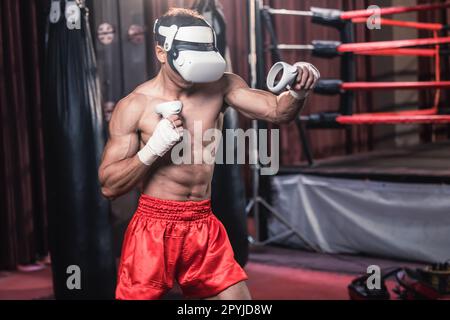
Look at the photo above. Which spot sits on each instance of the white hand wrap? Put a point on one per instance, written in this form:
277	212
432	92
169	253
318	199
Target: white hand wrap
299	95
163	139
303	94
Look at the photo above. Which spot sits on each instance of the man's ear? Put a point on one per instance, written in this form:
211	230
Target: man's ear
161	54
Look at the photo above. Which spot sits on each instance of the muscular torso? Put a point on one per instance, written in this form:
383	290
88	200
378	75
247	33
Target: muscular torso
134	121
183	182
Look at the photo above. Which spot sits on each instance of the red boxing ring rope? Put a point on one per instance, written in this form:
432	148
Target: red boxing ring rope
420	112
400	52
425	116
381	45
407	116
360	119
392	10
405	24
395	85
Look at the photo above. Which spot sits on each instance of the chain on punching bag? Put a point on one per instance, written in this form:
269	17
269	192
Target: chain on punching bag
228	191
79	231
212	12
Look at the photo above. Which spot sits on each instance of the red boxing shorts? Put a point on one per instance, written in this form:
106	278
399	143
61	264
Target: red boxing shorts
169	241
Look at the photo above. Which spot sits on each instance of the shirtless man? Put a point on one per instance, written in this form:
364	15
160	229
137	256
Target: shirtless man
173	235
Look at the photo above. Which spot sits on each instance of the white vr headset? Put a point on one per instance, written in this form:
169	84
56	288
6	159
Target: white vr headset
192	52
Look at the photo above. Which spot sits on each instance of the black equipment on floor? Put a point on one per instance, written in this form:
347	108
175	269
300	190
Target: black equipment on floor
429	283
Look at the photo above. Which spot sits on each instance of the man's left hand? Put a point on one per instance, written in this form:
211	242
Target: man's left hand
308	75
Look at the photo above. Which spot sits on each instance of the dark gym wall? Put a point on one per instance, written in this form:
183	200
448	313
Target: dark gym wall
120	44
23	221
120	31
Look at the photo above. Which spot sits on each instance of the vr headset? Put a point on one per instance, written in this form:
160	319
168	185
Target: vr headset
192	51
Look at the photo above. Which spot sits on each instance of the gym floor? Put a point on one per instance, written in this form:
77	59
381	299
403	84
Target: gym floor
290	275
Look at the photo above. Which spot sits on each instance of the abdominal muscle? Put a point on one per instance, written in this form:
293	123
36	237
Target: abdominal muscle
180	182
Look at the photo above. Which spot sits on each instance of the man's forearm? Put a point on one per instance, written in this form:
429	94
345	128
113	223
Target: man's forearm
288	107
120	177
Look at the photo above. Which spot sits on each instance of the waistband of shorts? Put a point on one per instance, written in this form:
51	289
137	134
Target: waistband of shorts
173	210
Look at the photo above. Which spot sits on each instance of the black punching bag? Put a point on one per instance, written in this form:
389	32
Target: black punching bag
79	230
228	196
228	191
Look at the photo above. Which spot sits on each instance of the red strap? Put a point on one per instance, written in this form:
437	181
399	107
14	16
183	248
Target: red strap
359	119
392	10
405	24
421	112
366	46
400	52
395	85
437	71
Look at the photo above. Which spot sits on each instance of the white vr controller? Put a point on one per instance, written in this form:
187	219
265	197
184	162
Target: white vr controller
165	135
168	109
277	82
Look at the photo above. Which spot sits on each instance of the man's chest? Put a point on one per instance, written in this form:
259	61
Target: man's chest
199	116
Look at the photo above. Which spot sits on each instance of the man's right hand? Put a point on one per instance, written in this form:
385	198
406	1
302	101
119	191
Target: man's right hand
167	133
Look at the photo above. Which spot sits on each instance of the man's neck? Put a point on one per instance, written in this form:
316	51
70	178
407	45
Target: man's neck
169	88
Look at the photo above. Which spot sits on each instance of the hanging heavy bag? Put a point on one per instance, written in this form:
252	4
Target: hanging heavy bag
79	231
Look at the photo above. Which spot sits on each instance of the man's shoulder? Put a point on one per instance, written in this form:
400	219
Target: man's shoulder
134	101
130	109
230	76
231	81
140	97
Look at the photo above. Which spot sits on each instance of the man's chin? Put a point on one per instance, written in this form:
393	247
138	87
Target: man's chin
181	83
186	84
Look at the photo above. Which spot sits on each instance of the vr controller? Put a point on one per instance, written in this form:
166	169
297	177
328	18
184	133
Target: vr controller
281	76
168	109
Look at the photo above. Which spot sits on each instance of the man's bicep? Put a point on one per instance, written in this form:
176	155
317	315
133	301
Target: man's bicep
253	103
123	139
120	148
